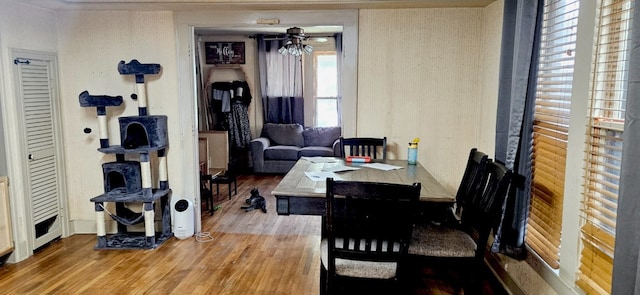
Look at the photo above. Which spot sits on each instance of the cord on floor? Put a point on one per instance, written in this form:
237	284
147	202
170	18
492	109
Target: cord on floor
204	237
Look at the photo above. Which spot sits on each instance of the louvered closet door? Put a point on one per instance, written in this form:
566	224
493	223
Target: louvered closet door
37	103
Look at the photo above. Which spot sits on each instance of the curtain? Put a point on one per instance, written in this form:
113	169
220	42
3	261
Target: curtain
281	83
626	273
516	94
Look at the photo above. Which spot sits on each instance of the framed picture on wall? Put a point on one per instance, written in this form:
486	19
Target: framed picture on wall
224	52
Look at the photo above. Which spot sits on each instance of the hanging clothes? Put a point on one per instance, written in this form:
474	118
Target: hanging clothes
239	128
230	100
222	92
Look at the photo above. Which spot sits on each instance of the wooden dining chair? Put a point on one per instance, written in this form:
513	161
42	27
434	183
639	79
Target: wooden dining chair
368	228
227	177
376	148
473	178
464	245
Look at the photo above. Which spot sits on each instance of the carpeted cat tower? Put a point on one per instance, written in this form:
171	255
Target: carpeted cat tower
128	182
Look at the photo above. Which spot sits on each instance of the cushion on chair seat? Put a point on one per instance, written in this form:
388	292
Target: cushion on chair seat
439	241
316	151
281	152
359	268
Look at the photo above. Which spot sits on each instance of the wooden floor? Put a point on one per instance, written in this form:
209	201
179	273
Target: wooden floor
250	253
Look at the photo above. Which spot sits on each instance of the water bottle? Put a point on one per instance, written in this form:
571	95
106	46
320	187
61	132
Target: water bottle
412	157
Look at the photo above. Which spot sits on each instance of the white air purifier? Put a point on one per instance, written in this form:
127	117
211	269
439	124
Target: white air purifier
184	221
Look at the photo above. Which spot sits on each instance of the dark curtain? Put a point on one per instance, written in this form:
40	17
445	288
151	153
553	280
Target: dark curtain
626	272
281	83
516	94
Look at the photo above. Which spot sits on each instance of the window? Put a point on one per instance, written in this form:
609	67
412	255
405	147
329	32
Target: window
604	145
326	89
550	128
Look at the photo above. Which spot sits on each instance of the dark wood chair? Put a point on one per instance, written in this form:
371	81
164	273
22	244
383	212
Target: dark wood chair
368	228
473	178
228	177
376	148
205	191
463	245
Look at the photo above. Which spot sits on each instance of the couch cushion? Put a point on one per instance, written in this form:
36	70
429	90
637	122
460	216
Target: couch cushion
316	151
321	136
284	134
281	152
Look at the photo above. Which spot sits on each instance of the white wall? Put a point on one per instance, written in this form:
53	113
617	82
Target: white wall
34	29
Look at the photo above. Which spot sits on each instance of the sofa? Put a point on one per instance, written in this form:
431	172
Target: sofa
281	145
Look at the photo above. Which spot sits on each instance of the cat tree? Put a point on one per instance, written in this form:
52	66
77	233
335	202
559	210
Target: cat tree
128	182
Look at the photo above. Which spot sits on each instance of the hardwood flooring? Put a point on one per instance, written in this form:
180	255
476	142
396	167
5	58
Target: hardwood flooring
250	253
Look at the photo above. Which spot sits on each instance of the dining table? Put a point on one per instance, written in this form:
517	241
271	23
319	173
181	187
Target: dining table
302	191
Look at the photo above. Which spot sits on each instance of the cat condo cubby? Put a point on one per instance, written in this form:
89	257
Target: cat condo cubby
128	183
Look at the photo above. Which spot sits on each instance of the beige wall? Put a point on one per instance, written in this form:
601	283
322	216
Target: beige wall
420	76
34	29
91	46
248	73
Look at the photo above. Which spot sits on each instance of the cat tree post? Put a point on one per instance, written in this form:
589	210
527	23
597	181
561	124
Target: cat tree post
100	102
139	70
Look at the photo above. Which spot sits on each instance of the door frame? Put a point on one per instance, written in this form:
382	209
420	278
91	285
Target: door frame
17	157
187	21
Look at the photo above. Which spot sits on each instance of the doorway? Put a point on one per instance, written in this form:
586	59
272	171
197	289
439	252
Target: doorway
188	21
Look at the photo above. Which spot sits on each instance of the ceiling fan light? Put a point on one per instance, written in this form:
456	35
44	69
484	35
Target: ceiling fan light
293	45
308	49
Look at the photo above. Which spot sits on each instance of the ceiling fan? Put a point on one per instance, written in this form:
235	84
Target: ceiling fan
293	44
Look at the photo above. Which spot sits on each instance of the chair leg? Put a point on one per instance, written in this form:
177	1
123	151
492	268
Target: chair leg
235	187
229	190
323	280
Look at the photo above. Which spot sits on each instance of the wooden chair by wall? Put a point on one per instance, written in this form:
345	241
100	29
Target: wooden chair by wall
464	245
376	148
473	178
368	229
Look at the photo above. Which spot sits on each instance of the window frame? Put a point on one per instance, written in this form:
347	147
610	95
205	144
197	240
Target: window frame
317	98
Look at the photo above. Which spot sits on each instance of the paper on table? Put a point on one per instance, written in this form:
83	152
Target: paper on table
320	159
340	168
322	176
381	166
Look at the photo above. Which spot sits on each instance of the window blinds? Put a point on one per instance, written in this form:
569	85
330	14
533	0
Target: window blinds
551	126
604	145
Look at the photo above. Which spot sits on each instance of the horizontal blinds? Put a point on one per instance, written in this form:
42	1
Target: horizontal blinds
550	128
604	146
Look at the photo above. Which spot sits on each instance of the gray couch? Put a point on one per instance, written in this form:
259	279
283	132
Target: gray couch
281	145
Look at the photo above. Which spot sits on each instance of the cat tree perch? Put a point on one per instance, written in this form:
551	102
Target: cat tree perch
130	181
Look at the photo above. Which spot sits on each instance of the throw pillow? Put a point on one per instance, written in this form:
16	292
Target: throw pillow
284	134
321	136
